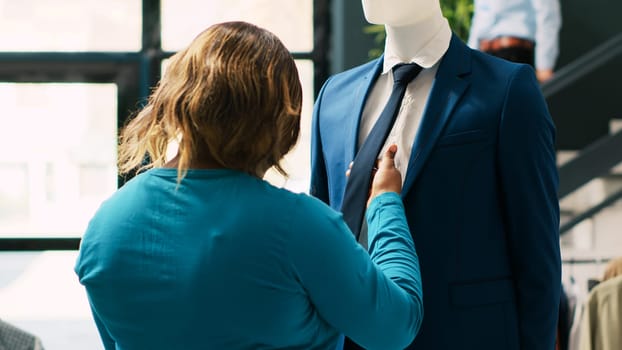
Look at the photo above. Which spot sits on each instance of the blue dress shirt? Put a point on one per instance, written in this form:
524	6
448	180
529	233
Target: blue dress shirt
537	20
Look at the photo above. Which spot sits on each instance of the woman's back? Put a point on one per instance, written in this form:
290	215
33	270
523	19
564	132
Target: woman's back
206	263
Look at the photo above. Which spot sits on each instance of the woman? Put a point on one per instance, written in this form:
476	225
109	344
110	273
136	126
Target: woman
199	252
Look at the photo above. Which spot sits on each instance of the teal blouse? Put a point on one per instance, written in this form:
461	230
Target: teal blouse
224	260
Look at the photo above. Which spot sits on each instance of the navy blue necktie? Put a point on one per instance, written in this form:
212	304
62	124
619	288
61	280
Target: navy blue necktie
359	181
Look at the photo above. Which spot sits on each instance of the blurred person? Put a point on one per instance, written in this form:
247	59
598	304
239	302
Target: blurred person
601	321
198	252
522	31
15	338
598	319
613	269
480	179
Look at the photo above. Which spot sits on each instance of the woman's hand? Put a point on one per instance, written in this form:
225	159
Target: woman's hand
386	178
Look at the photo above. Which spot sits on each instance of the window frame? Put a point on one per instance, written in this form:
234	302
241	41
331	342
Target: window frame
134	73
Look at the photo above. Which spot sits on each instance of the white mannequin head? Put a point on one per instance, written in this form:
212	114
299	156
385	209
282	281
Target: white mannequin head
399	13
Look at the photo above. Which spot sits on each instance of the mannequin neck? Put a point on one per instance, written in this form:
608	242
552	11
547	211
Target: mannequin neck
406	41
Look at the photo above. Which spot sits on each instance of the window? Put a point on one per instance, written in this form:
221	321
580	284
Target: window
70	25
71	72
58	163
290	20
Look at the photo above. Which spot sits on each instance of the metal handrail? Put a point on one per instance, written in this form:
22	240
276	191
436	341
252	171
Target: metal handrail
601	156
592	162
590	212
584	65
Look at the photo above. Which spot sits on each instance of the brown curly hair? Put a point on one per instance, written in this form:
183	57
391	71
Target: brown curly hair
233	98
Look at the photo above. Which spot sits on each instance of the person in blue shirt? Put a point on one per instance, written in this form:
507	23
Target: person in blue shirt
199	252
523	31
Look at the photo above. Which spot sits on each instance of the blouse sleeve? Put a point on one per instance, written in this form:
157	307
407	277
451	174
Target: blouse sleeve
376	301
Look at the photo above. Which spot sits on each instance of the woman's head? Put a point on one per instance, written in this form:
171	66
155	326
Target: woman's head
232	98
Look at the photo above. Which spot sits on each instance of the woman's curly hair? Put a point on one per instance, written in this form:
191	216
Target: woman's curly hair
232	97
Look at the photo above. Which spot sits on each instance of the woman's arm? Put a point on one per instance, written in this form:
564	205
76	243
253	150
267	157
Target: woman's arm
375	299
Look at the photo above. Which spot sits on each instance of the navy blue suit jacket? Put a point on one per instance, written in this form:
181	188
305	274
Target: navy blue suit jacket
480	196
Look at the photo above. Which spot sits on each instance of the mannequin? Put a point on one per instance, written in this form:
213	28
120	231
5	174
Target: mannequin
478	162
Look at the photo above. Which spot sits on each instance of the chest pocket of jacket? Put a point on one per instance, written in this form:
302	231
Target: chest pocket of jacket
462	138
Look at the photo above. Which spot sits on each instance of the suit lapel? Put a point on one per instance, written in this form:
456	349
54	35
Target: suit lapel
358	104
449	85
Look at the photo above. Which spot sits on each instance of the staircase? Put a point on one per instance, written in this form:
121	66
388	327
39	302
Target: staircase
585	100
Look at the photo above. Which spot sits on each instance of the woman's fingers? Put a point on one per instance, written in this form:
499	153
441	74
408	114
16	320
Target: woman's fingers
388	158
349	169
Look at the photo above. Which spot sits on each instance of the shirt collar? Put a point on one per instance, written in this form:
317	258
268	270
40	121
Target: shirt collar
430	53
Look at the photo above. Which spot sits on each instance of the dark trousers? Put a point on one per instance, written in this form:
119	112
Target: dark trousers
515	54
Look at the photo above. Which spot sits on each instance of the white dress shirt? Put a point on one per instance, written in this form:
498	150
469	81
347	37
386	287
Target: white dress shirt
413	105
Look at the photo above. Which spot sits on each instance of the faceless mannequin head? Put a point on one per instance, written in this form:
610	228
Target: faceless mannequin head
398	13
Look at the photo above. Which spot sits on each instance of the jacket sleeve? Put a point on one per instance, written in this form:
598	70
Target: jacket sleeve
319	176
529	182
376	301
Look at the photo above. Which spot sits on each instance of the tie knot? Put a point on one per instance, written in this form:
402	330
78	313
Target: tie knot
404	73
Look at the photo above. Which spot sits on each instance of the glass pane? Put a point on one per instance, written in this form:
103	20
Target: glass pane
40	294
70	25
58	162
291	20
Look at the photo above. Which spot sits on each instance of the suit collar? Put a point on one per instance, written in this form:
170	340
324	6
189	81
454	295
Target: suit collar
361	93
451	82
